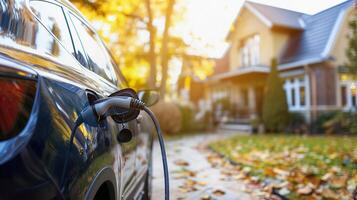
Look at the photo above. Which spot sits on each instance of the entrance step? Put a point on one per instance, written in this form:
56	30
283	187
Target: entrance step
244	128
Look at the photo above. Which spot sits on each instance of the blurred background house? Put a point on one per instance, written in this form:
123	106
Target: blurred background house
311	53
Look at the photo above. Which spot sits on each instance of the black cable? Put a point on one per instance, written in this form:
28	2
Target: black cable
163	152
78	122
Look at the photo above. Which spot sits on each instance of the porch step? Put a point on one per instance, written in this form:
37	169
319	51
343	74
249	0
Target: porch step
244	128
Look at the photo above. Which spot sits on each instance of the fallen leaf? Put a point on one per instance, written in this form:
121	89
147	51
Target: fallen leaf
284	191
306	190
327	176
339	181
329	194
201	183
218	192
206	197
181	163
280	172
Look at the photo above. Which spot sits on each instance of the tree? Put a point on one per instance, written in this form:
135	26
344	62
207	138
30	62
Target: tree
152	46
164	48
129	21
351	52
275	108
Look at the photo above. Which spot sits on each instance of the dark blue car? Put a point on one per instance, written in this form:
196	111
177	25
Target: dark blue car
52	65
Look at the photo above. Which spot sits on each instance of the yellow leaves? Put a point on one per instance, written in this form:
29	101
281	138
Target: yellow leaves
305	167
184	174
327	176
218	192
339	181
305	190
181	163
188	186
206	197
329	194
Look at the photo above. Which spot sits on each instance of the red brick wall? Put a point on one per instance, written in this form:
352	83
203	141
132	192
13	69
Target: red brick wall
323	85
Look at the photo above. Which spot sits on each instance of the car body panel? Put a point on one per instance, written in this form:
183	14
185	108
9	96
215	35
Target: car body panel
62	92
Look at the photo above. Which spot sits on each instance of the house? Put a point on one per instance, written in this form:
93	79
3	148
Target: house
310	50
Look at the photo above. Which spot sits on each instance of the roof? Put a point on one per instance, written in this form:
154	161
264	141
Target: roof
278	17
315	42
273	16
315	35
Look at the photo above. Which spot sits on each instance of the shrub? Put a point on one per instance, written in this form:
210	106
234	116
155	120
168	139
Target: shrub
341	123
223	103
188	117
169	116
319	125
297	123
189	122
275	108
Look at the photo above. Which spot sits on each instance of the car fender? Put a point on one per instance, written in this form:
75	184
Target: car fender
104	175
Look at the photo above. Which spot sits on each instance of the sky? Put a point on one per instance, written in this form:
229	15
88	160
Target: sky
206	22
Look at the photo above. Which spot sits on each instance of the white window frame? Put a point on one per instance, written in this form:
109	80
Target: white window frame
293	85
348	85
250	51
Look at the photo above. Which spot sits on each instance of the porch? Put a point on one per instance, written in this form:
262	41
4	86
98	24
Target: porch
238	100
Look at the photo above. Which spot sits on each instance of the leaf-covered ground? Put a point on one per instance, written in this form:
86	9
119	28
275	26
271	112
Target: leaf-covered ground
293	167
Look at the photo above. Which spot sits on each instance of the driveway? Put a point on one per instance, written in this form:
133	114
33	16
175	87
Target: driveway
191	174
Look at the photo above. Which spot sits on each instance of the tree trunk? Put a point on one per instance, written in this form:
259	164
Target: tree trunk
152	54
164	49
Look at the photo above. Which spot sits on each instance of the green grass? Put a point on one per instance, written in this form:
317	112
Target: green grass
318	154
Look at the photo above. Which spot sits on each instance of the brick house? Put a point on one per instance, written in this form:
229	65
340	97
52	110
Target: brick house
311	53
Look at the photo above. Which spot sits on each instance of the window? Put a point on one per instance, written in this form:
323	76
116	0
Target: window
293	98
250	51
302	95
53	19
97	56
348	94
79	52
22	31
353	94
344	95
295	91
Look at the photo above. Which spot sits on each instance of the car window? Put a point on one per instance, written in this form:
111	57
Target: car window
52	17
21	30
98	58
79	50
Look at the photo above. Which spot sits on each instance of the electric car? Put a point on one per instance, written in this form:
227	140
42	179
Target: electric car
52	65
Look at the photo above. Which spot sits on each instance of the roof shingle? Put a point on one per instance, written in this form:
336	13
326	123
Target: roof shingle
314	41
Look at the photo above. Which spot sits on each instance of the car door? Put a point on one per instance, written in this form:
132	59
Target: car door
96	58
68	88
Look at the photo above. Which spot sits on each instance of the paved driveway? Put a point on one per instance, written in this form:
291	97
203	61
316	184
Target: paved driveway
191	175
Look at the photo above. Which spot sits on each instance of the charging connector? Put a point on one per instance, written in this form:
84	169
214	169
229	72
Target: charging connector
91	115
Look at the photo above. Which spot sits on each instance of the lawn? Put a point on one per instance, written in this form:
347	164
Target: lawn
295	167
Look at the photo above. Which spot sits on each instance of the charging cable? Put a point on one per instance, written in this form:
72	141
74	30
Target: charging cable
92	114
163	151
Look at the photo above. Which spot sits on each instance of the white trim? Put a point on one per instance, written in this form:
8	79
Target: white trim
301	63
265	20
240	71
333	35
290	73
302	23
